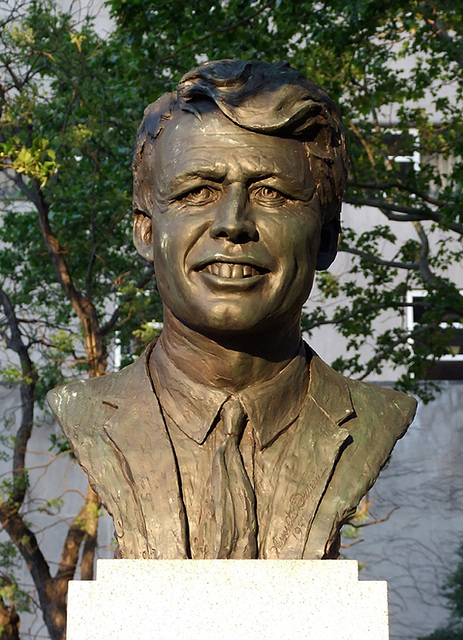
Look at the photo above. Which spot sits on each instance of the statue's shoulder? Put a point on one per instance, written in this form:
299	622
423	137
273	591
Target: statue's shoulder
382	409
384	412
373	418
84	404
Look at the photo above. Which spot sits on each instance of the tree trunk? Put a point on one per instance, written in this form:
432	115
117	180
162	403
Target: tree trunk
91	528
9	622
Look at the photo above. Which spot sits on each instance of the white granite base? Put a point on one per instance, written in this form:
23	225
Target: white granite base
227	599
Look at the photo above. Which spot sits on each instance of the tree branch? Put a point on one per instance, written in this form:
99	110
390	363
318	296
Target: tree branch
390	348
410	214
396	185
9	619
376	521
431	18
146	277
91	528
353	314
27	388
425	272
363	142
26	542
211	34
414	266
84	308
84	524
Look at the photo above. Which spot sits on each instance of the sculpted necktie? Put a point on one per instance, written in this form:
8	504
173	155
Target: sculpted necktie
234	499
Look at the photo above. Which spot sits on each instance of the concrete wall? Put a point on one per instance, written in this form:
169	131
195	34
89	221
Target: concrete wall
415	549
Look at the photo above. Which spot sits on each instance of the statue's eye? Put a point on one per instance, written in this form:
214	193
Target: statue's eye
269	195
200	195
268	192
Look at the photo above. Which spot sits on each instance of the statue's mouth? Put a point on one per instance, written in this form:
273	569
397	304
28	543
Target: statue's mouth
233	270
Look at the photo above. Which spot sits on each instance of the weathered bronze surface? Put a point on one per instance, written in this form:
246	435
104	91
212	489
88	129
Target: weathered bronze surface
230	437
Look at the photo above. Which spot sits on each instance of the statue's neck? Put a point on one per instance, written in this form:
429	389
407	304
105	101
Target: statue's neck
229	362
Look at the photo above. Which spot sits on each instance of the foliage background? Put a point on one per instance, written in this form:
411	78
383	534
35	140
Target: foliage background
70	282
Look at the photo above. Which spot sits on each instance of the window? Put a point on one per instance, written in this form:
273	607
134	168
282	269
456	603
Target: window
403	152
449	366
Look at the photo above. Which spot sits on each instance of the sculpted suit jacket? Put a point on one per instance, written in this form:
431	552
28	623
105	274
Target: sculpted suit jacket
324	462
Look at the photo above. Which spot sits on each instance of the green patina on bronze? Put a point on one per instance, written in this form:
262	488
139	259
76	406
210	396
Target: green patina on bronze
238	181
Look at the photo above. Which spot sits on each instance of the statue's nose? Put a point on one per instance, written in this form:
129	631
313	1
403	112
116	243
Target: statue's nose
234	219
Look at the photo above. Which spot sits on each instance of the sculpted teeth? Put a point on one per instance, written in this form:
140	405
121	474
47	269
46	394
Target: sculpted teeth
227	270
237	271
247	271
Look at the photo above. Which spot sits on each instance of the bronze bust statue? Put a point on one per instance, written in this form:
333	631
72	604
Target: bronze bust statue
229	437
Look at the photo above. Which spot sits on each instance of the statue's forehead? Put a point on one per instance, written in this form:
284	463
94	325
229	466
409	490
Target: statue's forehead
190	143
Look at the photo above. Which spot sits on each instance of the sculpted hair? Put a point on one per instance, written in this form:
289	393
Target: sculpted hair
273	99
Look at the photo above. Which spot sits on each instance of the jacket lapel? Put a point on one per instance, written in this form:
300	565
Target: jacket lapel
137	435
296	471
293	476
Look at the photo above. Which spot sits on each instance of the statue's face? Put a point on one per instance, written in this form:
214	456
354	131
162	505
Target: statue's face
235	226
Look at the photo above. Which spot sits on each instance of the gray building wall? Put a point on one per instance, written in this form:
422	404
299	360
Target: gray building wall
415	549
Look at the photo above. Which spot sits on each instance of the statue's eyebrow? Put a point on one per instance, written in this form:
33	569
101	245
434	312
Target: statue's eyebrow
213	173
219	172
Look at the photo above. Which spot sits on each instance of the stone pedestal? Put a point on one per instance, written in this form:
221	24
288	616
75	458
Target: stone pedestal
227	600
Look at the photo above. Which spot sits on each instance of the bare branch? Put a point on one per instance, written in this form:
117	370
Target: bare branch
376	521
362	310
351	544
410	214
425	272
18	180
410	266
363	142
27	388
16	82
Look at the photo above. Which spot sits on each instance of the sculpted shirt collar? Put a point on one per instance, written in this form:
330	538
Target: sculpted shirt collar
271	406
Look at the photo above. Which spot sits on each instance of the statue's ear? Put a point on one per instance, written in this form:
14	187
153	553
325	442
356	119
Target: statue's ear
329	239
143	235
